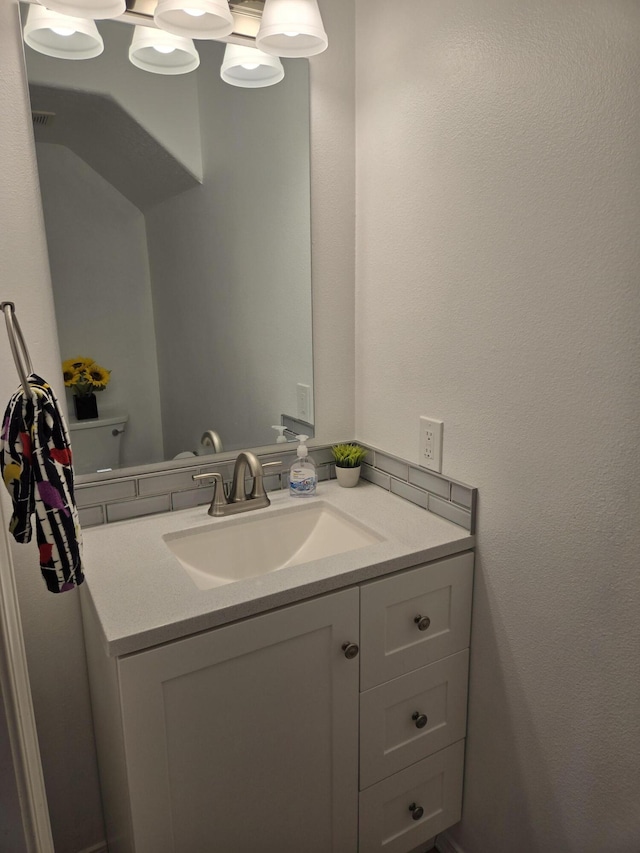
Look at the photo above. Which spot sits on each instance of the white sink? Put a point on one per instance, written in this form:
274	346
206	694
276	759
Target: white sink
247	547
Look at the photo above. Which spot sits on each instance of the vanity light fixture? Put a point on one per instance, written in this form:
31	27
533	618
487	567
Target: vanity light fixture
162	53
200	19
61	36
250	68
291	28
93	9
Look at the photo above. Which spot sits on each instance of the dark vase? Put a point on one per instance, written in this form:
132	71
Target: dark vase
86	407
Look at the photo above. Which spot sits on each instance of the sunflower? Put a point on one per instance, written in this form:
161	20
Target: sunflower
77	363
84	376
70	372
98	376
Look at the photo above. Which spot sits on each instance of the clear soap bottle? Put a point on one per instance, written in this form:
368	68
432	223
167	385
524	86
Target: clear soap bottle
302	474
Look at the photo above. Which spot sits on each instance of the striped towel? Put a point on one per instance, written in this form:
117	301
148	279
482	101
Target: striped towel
36	465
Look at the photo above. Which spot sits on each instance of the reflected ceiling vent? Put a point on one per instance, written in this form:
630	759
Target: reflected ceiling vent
41	118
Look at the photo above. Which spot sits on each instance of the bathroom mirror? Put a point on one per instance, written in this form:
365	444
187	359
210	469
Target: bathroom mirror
177	214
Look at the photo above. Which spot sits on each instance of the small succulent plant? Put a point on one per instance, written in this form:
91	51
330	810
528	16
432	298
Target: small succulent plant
348	455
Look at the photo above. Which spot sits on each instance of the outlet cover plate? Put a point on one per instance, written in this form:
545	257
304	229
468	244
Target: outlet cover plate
430	447
305	402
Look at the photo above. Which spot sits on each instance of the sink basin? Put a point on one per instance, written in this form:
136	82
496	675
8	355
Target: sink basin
246	547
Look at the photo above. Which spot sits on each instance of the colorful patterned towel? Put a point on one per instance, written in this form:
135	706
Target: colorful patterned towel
35	462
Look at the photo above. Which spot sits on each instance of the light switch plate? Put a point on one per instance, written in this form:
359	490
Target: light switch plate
430	447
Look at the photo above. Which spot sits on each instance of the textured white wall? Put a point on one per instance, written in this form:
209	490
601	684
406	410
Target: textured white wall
498	209
166	106
231	267
100	270
53	631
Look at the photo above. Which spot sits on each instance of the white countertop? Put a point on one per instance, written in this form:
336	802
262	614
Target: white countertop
143	597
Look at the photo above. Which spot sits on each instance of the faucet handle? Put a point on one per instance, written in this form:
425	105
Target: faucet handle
258	484
212	476
219	499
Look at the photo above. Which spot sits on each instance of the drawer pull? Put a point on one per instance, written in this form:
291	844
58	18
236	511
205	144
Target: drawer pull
416	811
422	622
420	720
350	650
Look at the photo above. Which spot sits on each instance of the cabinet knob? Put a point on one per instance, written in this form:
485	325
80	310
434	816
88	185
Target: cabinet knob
416	811
422	622
350	650
419	719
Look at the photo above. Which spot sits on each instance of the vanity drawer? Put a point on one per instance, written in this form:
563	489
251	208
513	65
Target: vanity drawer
411	717
414	618
388	810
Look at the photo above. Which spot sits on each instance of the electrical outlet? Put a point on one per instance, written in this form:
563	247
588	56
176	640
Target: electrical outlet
303	396
430	449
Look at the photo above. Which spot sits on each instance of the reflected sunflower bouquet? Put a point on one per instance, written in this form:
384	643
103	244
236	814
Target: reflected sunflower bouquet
84	376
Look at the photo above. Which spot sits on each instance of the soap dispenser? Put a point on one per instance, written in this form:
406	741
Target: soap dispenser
302	474
282	438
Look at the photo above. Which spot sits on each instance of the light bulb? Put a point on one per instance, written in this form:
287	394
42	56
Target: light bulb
290	28
161	53
250	68
203	19
61	36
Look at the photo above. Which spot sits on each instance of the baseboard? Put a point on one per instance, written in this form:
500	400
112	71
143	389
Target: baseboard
444	844
101	847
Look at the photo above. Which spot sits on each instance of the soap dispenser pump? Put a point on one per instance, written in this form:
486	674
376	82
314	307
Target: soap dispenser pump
302	474
282	438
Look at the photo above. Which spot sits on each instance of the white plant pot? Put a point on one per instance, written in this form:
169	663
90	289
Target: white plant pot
348	477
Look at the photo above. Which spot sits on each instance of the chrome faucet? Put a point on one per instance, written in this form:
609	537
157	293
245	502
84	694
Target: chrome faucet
237	500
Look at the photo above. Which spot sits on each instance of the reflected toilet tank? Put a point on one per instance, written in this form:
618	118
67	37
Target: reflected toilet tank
96	443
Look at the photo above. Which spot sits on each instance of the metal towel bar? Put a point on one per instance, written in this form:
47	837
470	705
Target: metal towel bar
18	346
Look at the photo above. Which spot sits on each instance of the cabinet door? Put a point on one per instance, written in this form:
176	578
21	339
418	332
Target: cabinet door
245	738
415	618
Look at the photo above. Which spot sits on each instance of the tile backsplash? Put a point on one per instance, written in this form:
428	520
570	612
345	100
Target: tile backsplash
147	494
441	495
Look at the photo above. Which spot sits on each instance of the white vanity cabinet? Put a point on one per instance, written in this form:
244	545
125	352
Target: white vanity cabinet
256	736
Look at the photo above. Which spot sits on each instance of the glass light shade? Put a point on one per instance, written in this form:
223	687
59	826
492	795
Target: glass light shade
162	53
92	9
291	28
198	19
250	68
84	42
